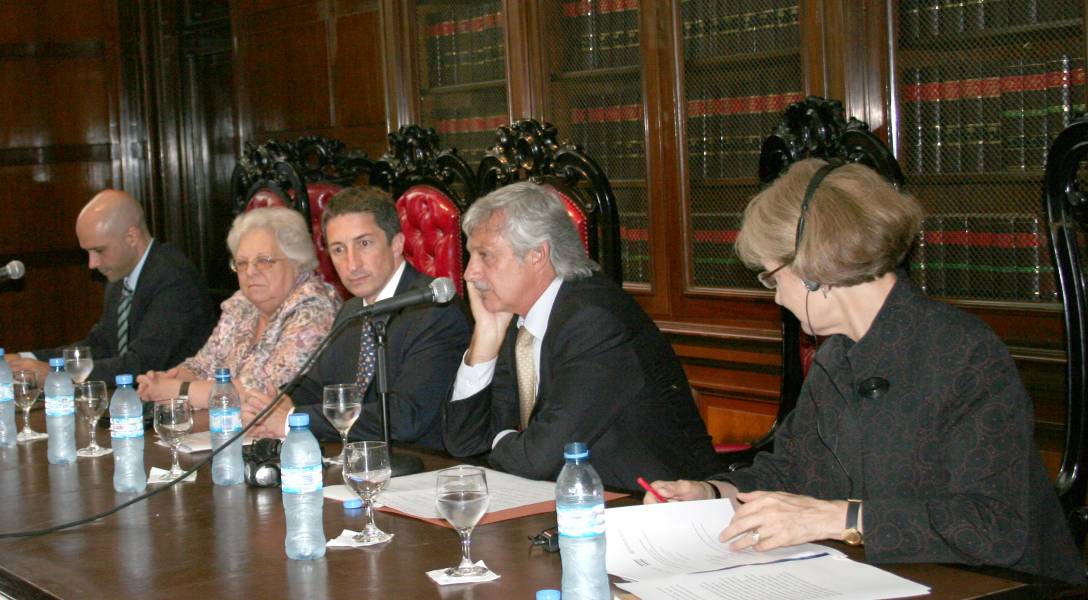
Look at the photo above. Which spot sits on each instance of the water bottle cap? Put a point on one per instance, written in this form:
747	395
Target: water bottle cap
351	503
547	595
1	351
222	373
298	420
125	379
56	362
575	450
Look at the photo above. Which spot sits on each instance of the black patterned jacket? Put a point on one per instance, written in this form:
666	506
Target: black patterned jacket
944	458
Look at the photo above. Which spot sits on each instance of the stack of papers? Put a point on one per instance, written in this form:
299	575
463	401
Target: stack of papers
671	551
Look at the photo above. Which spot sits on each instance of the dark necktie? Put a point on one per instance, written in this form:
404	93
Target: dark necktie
122	318
367	358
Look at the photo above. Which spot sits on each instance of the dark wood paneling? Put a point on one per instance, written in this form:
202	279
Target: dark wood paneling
53	101
358	85
53	21
57	302
41	204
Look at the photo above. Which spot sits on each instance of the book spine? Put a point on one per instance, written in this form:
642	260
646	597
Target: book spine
1012	117
952	119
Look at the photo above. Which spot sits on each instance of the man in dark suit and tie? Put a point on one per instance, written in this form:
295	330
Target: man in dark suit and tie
581	362
156	311
424	342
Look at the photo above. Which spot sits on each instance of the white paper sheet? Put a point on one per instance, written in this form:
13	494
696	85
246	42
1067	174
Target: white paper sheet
197	442
659	540
825	577
414	494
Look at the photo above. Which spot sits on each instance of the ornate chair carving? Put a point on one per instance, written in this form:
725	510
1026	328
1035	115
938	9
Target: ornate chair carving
529	149
313	168
433	189
1067	215
813	128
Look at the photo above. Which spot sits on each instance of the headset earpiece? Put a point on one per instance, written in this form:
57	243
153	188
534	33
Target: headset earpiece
811	286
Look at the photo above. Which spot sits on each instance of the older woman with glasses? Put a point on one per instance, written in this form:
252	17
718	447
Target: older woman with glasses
913	434
271	325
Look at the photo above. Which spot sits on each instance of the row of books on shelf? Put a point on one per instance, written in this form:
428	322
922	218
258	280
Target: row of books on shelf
609	127
464	43
599	33
725	133
470	127
929	19
970	118
717	27
634	233
979	256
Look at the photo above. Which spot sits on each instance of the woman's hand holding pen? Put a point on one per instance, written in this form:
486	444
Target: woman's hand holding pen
686	489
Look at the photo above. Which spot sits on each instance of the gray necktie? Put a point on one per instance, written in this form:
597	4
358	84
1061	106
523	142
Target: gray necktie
122	318
523	359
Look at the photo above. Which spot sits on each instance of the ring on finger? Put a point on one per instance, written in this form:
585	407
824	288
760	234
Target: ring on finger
755	537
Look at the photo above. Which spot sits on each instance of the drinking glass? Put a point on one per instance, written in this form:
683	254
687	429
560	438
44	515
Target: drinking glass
92	401
341	405
173	421
78	363
461	498
27	388
366	472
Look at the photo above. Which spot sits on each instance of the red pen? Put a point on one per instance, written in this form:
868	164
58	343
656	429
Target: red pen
646	486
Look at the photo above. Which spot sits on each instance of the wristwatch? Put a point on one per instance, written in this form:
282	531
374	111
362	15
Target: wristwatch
183	391
852	535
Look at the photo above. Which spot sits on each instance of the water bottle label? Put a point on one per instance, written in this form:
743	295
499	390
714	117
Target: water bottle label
60	406
300	480
580	521
7	393
126	427
225	420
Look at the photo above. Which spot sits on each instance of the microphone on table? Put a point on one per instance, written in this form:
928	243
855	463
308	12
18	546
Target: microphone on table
14	270
440	291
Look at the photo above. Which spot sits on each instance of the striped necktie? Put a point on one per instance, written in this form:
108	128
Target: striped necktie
122	318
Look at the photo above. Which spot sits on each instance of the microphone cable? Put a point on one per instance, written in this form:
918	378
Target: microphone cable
284	391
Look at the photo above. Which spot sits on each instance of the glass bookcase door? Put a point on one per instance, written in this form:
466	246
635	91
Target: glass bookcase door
742	67
594	96
463	73
982	88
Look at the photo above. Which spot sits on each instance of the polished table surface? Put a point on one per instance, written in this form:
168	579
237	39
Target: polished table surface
197	540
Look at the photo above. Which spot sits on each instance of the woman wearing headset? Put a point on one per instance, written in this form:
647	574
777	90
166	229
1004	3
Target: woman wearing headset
913	432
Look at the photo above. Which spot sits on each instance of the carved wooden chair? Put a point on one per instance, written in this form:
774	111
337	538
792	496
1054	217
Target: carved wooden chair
303	175
433	188
813	128
529	149
1067	215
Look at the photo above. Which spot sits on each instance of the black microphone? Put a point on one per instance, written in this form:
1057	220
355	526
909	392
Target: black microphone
13	270
440	291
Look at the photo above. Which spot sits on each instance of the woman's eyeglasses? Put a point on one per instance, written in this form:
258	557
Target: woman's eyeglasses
767	277
261	263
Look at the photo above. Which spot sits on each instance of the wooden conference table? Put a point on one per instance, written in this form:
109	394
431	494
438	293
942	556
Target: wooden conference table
197	540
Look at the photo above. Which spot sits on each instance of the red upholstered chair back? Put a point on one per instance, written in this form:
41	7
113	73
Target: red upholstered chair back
431	224
529	150
433	188
279	173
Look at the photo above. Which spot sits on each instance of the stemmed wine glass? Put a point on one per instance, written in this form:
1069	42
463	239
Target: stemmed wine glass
27	389
173	421
366	472
78	363
91	400
341	405
461	498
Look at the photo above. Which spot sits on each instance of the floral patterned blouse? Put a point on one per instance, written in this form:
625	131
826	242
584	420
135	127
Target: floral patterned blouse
289	337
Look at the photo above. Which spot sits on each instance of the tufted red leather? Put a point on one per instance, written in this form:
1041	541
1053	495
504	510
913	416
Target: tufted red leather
431	224
320	193
579	218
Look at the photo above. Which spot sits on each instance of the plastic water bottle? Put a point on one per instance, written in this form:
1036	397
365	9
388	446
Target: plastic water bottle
303	498
579	506
127	436
8	430
225	419
60	414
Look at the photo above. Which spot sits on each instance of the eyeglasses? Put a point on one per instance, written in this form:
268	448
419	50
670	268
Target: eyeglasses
767	277
262	263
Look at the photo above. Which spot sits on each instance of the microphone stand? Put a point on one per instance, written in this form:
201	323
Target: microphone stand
401	464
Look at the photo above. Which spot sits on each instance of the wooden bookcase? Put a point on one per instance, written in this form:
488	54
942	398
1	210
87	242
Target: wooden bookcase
673	98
